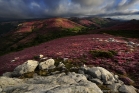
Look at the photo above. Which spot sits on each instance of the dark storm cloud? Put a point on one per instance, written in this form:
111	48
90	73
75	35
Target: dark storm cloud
53	8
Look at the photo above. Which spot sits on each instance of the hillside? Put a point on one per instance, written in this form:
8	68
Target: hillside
128	29
123	60
34	32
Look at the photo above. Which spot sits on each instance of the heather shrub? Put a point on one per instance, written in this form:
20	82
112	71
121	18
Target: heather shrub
113	52
126	80
101	54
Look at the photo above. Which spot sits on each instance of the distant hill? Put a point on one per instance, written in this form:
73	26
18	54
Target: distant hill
34	32
126	29
95	22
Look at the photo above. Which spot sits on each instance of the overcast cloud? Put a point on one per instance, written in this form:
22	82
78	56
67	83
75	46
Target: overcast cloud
67	8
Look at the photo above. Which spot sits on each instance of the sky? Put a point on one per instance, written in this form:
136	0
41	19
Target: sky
21	9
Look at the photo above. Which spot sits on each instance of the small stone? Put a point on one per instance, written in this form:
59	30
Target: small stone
81	72
94	72
97	81
0	89
7	74
114	87
127	89
65	59
46	64
41	56
56	72
61	65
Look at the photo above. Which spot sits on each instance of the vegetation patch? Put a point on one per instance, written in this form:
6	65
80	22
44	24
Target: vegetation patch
102	54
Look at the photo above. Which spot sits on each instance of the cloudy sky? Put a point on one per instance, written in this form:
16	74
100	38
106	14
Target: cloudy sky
126	9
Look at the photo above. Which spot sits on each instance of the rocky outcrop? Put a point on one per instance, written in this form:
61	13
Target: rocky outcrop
103	77
59	83
127	89
60	79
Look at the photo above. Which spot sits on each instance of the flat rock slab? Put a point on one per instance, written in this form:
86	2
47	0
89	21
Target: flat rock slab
59	83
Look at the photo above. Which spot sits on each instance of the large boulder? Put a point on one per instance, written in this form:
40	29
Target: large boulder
28	66
94	72
127	89
106	75
102	74
46	64
59	83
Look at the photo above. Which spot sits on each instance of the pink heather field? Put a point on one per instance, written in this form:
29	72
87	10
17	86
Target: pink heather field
77	48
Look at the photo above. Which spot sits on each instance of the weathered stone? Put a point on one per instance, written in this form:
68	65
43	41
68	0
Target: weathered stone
56	72
41	56
46	64
65	59
101	73
0	89
94	72
28	66
81	72
59	83
127	89
61	65
97	81
114	87
6	81
7	74
106	75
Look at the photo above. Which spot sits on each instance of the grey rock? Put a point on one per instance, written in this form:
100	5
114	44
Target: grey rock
121	82
7	74
59	83
65	59
61	65
46	64
97	81
81	72
52	67
28	66
56	72
6	81
108	82
101	73
0	89
114	87
94	72
106	75
116	78
127	89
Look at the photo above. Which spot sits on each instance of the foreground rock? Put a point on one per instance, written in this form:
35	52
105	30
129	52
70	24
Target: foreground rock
55	80
127	89
46	64
103	77
26	67
59	83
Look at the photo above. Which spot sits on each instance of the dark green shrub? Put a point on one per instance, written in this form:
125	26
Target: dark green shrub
113	52
101	54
